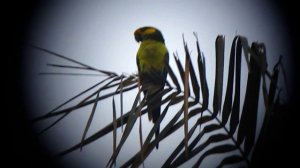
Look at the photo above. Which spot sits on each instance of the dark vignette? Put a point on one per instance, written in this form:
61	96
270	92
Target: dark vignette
21	146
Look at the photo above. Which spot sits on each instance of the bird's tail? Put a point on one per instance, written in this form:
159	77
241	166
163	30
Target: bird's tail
154	111
156	114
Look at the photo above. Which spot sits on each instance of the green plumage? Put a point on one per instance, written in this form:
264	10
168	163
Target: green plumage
152	60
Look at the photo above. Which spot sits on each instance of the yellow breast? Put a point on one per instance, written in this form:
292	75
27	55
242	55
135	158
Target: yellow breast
152	55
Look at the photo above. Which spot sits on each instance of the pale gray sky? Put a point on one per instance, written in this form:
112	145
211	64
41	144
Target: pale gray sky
100	34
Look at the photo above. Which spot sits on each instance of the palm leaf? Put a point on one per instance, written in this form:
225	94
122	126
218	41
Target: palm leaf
234	119
228	96
115	127
248	119
230	160
121	99
174	78
179	66
242	122
69	74
191	71
109	73
186	96
91	117
220	43
202	74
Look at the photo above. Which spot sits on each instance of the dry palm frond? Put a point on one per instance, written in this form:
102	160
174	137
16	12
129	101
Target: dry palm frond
234	124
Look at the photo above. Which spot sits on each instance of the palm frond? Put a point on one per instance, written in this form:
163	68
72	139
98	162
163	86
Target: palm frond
239	126
109	73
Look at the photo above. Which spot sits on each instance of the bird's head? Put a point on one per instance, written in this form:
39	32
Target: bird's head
148	33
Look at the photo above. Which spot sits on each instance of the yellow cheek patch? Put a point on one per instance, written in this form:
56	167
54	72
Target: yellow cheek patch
149	31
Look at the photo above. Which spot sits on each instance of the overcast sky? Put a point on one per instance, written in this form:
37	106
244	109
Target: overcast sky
100	34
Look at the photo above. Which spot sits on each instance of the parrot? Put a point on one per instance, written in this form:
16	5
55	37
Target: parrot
152	60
